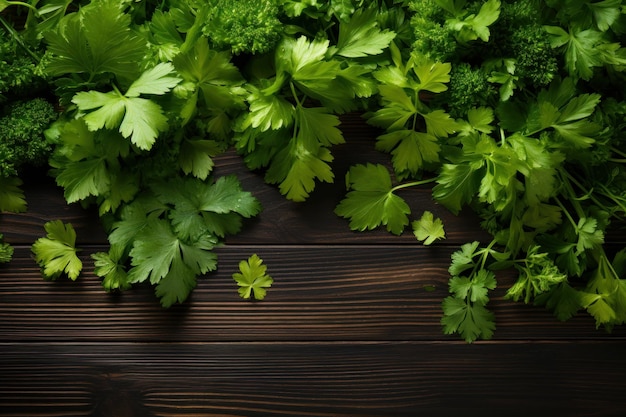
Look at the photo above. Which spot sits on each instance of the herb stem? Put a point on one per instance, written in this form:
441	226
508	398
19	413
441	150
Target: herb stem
412	184
295	94
19	40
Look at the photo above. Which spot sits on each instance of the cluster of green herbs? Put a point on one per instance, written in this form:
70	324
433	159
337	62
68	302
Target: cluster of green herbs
511	108
517	107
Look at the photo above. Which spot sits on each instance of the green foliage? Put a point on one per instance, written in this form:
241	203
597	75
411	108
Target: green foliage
469	88
137	118
95	41
56	253
371	201
428	229
244	26
22	142
292	121
19	71
252	278
6	251
511	107
12	197
413	130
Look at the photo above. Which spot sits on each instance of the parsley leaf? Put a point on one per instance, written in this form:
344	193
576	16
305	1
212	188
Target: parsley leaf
428	229
372	201
253	278
471	321
139	119
56	253
361	36
95	40
110	266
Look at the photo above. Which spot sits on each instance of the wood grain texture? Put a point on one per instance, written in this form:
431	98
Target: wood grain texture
313	379
350	327
368	293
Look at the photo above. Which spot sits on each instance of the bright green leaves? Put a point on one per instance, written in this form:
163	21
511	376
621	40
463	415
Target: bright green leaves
410	149
412	130
361	37
196	156
471	280
86	164
56	253
485	170
139	119
298	166
95	40
464	311
557	109
537	275
371	201
428	229
585	49
292	121
252	278
605	294
169	234
214	209
111	268
475	26
212	85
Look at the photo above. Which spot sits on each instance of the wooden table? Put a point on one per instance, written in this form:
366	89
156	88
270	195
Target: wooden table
349	328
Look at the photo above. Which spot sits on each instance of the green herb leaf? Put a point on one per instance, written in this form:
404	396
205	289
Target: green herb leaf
56	253
371	202
253	278
428	229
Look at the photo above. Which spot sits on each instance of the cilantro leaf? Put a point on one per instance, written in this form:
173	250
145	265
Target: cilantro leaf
463	258
476	26
213	83
196	156
56	253
471	321
176	285
465	311
139	119
410	149
253	278
156	249
562	299
428	229
110	266
201	207
372	201
433	76
457	184
589	235
268	112
361	36
95	40
296	167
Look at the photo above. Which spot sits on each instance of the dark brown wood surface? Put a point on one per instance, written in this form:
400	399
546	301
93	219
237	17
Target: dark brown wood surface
349	328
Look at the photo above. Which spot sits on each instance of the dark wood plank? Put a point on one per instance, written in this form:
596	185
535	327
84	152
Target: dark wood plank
368	293
340	379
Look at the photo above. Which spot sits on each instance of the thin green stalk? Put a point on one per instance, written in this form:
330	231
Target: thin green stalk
18	38
413	184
